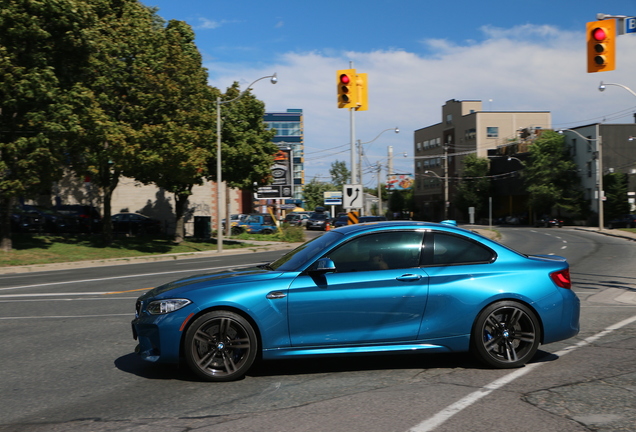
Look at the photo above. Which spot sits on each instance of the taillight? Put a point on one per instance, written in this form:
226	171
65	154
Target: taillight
562	278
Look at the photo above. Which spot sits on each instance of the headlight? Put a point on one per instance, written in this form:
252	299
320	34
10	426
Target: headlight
159	307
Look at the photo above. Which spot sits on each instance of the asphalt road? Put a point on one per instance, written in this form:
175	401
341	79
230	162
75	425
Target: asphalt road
68	362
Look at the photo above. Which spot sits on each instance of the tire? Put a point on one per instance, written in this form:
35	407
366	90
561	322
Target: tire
506	335
220	346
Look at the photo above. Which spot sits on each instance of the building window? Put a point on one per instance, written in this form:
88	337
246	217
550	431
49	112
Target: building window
492	132
449	118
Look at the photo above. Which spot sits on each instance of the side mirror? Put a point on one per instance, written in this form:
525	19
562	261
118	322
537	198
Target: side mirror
324	265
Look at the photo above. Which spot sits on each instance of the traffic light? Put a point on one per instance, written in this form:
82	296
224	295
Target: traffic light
361	87
347	92
601	46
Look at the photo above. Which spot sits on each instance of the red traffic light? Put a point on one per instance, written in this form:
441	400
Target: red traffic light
344	79
599	34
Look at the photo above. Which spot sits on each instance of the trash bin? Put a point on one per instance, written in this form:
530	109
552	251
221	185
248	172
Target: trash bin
202	226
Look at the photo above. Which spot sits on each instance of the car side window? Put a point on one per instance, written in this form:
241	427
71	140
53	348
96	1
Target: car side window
379	251
450	249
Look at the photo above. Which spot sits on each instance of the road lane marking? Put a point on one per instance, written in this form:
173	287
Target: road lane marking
123	277
442	416
65	316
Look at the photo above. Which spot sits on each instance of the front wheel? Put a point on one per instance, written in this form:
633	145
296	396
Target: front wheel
506	335
220	346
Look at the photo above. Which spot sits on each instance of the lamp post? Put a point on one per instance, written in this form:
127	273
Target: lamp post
599	169
601	87
361	151
219	180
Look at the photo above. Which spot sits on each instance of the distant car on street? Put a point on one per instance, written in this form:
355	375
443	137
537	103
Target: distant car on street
318	221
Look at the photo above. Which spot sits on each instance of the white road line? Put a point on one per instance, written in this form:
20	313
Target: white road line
66	316
122	277
438	419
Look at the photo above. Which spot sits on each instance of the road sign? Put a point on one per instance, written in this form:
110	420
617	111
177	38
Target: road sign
352	196
630	25
332	198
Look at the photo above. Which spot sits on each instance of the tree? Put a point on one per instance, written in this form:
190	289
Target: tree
551	176
121	99
314	193
179	134
339	173
38	93
473	190
616	186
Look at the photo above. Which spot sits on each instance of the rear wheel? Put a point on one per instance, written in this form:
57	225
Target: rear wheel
506	335
220	346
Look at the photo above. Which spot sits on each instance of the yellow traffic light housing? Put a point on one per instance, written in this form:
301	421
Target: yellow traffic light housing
347	92
361	88
601	46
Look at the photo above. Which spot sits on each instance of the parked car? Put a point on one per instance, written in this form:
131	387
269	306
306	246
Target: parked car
235	219
625	221
260	223
26	220
344	293
52	222
318	221
296	219
135	224
341	221
87	218
363	219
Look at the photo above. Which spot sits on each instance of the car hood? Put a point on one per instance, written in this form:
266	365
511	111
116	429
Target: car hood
218	279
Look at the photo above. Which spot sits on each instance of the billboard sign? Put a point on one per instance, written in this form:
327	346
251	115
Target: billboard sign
281	172
399	182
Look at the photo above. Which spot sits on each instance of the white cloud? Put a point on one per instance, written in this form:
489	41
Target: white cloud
524	68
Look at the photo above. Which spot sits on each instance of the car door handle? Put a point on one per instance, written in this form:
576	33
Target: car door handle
409	277
276	295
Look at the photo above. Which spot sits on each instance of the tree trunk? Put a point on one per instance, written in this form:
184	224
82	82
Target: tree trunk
6	208
181	204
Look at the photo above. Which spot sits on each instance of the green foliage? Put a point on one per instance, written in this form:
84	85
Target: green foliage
551	176
474	188
314	193
615	186
340	174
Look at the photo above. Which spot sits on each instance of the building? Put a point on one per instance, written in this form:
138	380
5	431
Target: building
610	144
290	136
465	129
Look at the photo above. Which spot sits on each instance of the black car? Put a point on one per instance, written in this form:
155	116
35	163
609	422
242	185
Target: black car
625	221
318	221
135	224
86	217
341	221
364	219
549	222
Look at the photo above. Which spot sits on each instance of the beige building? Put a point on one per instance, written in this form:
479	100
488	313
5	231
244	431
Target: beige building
149	200
465	129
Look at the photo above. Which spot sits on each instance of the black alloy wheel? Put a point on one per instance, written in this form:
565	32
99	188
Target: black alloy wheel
505	335
220	346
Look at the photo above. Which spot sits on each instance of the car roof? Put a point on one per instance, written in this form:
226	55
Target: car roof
396	224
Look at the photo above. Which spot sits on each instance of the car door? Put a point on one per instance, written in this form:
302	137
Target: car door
362	302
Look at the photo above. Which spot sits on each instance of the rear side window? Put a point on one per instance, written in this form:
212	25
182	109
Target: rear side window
449	249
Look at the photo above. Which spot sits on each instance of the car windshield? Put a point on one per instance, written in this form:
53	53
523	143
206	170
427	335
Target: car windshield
321	216
299	257
252	219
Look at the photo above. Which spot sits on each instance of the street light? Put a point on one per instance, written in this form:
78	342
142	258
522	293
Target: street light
599	174
601	87
219	181
360	150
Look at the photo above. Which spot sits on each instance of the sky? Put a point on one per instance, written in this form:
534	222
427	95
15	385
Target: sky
512	55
